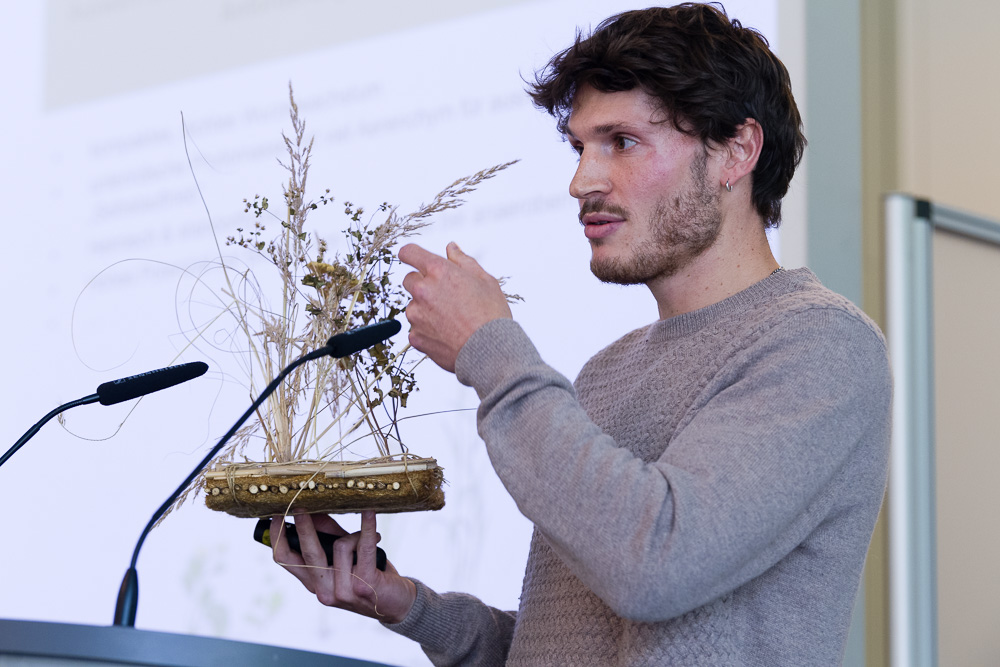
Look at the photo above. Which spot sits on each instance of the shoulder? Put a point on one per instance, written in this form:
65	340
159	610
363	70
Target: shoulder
812	321
804	296
812	341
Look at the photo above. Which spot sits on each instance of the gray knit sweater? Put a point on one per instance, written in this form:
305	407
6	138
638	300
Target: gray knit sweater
703	495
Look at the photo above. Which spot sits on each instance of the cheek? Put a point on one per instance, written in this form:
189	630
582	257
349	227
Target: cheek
640	188
655	179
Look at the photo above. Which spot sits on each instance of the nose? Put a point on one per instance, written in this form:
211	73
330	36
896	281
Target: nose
591	178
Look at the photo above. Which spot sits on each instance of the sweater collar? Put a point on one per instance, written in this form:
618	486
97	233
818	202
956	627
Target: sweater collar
769	288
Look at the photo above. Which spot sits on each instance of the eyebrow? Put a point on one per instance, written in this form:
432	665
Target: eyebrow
605	129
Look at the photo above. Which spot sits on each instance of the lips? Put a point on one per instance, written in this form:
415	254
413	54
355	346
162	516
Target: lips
599	218
599	225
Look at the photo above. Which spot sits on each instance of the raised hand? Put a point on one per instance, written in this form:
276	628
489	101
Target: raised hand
451	298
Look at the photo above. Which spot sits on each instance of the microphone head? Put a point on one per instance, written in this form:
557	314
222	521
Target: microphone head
355	340
125	389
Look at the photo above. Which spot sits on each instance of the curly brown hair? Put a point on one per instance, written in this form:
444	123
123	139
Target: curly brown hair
709	72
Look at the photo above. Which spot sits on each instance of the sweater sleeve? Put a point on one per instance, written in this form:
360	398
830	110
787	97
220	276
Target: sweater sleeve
740	484
457	629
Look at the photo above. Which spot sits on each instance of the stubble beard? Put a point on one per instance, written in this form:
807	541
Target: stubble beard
680	231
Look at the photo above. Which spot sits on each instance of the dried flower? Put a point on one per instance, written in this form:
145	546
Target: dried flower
321	296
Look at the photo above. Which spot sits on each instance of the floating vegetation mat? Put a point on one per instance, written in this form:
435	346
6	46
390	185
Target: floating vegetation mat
384	485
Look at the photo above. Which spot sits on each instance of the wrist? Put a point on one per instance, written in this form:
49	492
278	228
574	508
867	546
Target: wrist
406	602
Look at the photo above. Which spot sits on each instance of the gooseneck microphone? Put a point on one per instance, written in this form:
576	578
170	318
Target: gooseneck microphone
341	345
124	389
355	340
135	386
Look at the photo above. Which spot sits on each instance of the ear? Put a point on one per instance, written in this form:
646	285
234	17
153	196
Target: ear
742	151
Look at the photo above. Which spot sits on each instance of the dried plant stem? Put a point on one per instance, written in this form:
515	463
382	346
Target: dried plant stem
323	293
218	248
356	396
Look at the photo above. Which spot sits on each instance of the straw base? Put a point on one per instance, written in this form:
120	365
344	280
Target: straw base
256	490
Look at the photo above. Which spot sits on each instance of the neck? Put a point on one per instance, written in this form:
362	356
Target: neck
739	258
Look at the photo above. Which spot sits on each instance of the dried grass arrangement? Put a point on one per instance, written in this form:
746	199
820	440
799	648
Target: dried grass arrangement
325	406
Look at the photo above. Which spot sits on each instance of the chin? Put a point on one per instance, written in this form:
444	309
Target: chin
620	273
638	269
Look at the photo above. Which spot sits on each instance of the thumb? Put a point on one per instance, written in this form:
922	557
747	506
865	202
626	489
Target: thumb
455	253
458	256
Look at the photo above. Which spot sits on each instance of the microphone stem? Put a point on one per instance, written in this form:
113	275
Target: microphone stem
93	398
128	597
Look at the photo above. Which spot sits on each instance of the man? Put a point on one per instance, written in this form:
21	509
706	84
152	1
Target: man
705	492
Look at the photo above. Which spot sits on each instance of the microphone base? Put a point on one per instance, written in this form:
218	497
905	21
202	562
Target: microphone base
128	599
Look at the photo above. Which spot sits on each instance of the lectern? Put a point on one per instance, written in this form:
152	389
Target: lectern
40	644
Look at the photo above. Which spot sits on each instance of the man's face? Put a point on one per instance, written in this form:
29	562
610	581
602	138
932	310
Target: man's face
647	202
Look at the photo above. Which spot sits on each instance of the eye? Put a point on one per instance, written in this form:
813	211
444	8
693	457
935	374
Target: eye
624	143
577	148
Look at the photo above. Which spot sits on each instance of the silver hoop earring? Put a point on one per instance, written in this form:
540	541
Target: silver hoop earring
729	188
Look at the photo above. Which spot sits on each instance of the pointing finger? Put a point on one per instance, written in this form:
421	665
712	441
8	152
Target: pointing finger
417	257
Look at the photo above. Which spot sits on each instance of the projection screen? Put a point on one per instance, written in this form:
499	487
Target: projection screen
104	216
